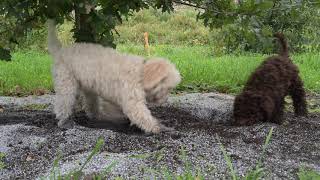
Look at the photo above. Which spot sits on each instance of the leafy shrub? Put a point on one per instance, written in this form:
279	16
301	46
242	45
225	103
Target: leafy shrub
182	28
298	22
37	38
178	28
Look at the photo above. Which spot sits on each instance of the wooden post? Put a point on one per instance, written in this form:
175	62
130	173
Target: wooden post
146	43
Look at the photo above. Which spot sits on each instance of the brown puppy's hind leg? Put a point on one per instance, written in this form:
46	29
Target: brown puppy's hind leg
298	96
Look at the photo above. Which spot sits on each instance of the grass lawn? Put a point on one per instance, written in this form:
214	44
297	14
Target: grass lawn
201	71
27	73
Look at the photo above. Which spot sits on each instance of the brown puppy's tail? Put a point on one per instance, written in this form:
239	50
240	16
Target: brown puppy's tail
283	43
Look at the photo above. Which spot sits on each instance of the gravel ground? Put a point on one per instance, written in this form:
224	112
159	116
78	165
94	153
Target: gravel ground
31	141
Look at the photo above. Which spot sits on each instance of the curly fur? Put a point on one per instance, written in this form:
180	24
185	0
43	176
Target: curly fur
262	98
98	72
160	77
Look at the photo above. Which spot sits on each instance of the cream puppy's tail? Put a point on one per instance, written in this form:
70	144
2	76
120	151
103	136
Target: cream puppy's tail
54	45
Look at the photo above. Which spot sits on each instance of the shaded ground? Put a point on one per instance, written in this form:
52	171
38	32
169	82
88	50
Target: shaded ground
31	141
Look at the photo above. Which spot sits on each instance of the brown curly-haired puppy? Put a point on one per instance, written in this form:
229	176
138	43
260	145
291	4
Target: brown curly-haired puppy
262	98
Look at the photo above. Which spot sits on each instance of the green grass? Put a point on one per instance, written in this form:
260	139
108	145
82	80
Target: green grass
308	174
201	71
35	106
2	164
27	73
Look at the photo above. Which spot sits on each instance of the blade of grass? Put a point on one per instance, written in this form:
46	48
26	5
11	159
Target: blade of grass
266	143
95	150
228	160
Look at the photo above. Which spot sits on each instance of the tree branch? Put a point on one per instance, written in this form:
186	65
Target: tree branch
187	4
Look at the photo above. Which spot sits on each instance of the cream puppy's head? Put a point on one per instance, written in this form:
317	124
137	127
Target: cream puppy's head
160	77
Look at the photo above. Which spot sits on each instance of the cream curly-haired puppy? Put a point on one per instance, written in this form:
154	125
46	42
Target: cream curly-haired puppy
100	72
159	78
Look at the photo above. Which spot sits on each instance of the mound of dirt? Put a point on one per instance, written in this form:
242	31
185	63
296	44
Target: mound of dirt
31	141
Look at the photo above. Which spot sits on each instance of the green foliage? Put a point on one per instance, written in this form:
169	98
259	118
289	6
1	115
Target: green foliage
163	28
94	19
297	19
179	28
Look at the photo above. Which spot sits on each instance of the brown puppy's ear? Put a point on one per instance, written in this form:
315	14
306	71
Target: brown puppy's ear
154	73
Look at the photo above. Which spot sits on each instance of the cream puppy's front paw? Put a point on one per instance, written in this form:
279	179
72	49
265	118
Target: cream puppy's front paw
151	127
66	124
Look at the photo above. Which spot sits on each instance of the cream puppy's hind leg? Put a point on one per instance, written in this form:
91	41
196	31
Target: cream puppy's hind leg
91	104
66	88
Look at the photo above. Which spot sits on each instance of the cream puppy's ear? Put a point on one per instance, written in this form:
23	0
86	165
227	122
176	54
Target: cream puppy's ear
155	71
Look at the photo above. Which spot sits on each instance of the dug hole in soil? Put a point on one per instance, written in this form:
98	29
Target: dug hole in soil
31	141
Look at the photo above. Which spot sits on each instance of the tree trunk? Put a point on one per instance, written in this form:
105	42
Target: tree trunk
83	31
5	54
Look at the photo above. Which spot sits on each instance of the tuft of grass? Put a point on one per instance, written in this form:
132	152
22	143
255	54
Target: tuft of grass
305	174
189	173
2	164
77	174
35	106
254	174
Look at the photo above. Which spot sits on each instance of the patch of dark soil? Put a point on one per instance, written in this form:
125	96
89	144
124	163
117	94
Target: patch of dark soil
182	120
28	117
81	119
45	119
